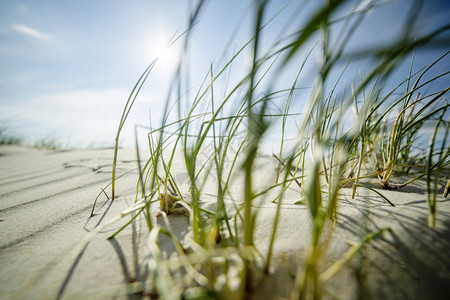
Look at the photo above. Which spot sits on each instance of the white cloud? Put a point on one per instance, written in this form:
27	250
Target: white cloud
26	30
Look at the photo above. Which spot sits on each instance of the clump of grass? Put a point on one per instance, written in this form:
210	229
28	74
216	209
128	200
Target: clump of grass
48	143
378	138
7	138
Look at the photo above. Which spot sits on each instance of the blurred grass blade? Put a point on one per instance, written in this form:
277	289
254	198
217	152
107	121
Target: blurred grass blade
130	101
322	16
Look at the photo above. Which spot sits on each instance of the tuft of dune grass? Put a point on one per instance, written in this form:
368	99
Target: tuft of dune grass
345	135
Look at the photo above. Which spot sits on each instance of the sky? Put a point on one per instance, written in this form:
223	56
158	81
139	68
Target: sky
67	67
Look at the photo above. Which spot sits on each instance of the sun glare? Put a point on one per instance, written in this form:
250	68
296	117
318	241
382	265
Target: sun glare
166	54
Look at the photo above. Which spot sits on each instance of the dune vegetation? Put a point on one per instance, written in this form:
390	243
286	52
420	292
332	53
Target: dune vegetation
383	129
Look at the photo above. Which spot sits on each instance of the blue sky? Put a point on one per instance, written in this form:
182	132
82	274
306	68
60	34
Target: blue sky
67	67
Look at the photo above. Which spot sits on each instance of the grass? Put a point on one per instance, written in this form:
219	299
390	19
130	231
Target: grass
347	135
49	143
7	138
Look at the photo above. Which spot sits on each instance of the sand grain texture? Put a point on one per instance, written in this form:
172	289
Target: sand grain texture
45	203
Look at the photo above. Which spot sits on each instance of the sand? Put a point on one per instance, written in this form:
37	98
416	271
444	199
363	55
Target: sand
46	198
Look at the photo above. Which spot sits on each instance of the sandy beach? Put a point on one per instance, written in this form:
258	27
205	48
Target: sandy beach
235	150
50	247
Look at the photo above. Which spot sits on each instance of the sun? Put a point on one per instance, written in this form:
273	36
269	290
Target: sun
167	54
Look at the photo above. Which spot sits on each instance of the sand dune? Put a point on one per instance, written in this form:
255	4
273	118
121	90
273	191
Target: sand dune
45	203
